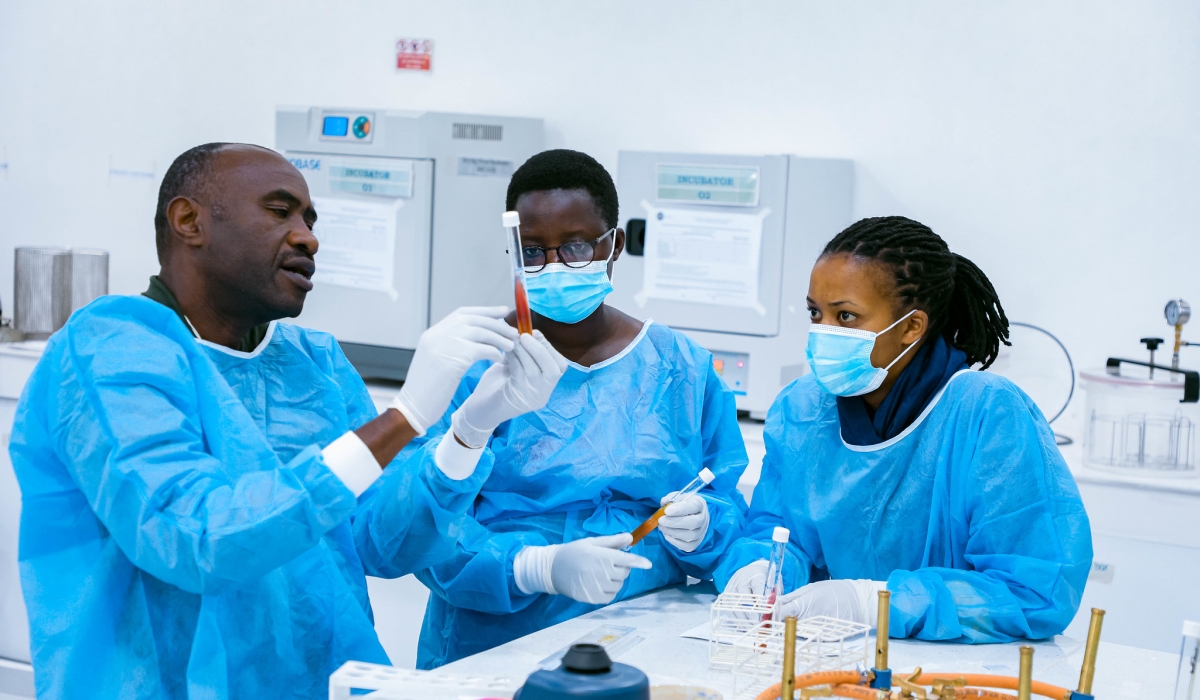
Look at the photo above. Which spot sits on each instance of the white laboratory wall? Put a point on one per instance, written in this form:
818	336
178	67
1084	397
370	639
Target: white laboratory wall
1053	143
1056	144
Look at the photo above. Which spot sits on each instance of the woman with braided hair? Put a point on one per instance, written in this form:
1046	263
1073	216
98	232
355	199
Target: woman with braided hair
893	465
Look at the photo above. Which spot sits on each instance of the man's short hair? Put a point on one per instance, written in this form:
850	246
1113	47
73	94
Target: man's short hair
562	169
185	177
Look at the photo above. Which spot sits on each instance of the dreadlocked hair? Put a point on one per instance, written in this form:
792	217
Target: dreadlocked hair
960	300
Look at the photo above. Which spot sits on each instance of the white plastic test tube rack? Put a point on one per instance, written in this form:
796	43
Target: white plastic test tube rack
389	683
742	642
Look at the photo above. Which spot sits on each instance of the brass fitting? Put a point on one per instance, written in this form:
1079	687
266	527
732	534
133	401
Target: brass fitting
1088	670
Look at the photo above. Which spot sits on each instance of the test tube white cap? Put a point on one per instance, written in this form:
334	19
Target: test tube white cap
1191	628
780	535
510	219
707	476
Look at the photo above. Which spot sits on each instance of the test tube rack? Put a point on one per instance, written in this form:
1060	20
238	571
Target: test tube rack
752	648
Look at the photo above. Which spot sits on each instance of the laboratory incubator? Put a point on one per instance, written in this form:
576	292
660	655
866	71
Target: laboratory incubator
406	202
720	247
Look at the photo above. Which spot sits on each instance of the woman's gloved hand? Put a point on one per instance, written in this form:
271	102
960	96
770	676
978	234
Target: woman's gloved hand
844	599
684	524
445	351
749	579
590	570
521	383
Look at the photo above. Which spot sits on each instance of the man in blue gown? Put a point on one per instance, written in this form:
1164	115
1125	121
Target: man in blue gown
205	489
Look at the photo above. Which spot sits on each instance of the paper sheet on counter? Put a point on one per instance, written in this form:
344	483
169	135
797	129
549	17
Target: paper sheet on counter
701	632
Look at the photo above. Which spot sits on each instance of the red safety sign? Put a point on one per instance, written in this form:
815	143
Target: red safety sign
414	54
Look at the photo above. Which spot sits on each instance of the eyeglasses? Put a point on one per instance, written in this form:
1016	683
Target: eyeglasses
572	253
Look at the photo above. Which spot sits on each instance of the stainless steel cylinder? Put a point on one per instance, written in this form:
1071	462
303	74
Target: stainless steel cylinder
89	276
50	283
42	282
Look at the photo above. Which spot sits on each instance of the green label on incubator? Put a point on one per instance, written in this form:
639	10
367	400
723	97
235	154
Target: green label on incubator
708	184
377	176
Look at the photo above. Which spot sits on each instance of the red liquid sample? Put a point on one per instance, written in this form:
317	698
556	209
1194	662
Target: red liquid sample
524	319
771	602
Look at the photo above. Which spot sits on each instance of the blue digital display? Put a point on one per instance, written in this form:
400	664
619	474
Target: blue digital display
335	126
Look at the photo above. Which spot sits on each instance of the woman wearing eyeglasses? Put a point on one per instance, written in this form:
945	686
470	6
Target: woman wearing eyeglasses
638	414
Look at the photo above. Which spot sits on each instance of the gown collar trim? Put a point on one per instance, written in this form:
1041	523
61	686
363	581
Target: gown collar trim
905	433
616	358
262	345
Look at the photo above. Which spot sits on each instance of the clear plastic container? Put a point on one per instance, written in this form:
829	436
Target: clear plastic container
1187	681
1137	424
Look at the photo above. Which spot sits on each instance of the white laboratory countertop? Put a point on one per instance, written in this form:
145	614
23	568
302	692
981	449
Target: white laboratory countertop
1121	671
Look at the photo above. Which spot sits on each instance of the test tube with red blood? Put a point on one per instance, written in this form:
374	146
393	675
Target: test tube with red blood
512	226
773	585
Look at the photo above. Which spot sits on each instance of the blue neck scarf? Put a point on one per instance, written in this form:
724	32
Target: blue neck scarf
930	369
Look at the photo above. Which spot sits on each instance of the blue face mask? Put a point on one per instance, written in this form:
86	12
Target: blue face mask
568	294
840	358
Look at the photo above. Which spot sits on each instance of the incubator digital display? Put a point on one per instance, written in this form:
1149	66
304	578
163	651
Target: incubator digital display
335	126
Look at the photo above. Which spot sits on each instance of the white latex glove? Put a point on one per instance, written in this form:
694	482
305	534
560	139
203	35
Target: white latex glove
844	599
521	383
444	353
749	579
684	524
590	570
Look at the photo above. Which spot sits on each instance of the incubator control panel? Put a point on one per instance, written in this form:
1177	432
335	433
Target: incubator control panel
734	368
357	127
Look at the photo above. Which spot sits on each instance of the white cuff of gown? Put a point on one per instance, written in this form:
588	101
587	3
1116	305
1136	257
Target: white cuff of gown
531	569
455	460
351	460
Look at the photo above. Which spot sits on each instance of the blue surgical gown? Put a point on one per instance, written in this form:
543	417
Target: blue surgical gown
612	441
970	514
181	535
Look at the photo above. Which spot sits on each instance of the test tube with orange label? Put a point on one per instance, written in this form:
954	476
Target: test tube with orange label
703	479
512	225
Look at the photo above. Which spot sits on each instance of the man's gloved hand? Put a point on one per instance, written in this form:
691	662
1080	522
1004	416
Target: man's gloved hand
844	599
684	524
444	353
591	570
521	383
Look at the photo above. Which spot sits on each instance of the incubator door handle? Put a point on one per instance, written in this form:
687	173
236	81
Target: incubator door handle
635	237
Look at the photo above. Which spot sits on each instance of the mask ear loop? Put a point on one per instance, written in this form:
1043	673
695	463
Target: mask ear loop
911	345
611	252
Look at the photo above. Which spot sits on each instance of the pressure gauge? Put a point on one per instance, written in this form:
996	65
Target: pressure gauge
1177	312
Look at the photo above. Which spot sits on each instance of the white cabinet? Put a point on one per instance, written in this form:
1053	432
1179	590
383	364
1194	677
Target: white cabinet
1146	570
16	363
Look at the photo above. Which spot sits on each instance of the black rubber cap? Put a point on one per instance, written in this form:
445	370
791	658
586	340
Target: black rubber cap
587	658
1152	343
